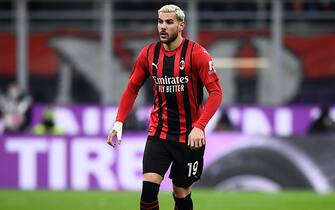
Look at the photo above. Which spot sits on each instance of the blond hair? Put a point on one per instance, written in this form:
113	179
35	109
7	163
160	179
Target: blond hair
173	8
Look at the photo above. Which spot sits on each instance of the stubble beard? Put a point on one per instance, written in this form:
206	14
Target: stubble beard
170	39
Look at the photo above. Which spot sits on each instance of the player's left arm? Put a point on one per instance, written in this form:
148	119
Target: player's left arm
207	74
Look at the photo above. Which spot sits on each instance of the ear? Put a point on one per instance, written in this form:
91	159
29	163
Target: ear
181	26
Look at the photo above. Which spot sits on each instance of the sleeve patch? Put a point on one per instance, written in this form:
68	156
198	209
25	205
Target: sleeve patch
211	68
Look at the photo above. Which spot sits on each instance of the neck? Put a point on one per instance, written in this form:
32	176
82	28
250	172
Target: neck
173	45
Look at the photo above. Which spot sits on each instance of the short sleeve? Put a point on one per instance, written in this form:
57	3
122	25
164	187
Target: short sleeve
140	70
204	65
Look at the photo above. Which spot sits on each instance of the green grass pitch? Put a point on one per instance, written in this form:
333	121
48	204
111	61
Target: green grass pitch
203	200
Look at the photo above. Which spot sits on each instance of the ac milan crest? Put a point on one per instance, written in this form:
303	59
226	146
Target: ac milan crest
182	65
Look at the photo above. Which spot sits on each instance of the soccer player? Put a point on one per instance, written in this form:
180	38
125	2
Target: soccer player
179	69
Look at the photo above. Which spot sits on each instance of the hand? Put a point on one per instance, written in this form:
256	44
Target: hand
196	139
116	131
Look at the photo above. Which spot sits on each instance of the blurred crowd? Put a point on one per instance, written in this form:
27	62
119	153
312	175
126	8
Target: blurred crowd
15	109
293	5
229	5
16	114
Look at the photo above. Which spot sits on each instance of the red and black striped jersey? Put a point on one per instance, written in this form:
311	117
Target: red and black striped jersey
178	78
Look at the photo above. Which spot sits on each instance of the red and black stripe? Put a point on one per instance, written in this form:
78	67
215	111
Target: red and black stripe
171	101
186	99
159	96
200	91
149	205
175	110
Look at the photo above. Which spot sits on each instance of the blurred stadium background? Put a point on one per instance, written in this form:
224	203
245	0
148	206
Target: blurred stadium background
65	63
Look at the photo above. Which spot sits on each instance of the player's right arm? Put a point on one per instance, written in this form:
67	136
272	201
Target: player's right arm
138	76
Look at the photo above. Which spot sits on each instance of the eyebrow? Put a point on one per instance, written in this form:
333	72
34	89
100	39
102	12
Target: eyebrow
166	19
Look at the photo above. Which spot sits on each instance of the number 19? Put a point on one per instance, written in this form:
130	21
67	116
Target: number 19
192	168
